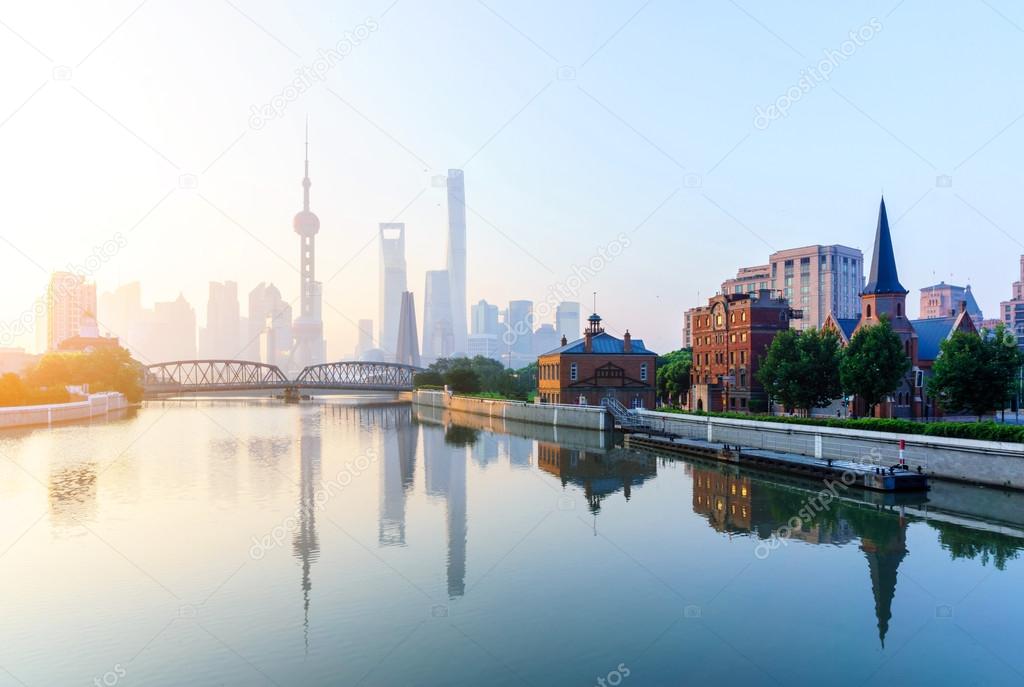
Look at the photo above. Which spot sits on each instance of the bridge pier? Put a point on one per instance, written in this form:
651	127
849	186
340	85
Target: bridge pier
291	394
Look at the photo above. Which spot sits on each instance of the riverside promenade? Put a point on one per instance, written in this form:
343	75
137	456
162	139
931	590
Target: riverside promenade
96	405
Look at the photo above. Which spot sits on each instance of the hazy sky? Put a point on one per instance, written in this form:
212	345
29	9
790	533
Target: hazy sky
575	122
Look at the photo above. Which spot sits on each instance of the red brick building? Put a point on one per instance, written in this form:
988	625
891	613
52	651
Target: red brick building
598	366
729	337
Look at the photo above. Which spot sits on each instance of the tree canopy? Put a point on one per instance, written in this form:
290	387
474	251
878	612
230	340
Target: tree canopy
874	363
800	370
673	375
469	375
976	373
102	369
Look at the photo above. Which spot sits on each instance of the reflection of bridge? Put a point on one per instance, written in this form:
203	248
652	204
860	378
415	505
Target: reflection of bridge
200	376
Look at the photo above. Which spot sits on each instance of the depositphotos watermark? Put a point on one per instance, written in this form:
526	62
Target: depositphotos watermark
614	677
60	288
111	677
812	77
290	525
567	289
308	75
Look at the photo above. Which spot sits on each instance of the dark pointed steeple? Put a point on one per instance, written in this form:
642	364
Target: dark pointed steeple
883	277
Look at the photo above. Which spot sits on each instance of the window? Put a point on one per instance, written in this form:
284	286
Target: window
573	372
899	310
869	311
643	372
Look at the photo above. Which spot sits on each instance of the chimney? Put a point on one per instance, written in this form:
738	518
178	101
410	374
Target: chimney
963	306
588	342
627	343
564	340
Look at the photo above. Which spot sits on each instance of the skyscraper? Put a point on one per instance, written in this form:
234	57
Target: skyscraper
408	349
222	336
484	331
518	335
545	339
457	256
308	347
392	284
365	338
269	336
119	309
567	320
70	302
438	338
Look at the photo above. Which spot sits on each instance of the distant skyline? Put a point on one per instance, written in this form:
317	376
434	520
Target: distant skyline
575	123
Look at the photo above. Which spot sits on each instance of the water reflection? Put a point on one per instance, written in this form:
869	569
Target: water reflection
598	472
444	458
305	543
72	495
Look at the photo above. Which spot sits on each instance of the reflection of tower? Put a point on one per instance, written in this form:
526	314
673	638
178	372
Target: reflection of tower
456	267
445	468
308	328
305	545
407	352
397	471
392	284
885	548
519	451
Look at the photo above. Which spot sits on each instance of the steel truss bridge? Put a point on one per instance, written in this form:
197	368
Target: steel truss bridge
202	376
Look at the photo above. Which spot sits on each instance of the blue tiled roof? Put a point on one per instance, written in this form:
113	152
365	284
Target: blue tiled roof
883	277
603	343
848	325
930	335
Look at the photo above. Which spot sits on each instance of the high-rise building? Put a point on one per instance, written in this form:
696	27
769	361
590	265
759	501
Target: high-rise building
70	303
365	343
943	300
1011	312
269	336
308	346
457	256
518	334
392	284
167	332
438	338
545	339
567	320
119	309
222	336
408	350
484	319
816	280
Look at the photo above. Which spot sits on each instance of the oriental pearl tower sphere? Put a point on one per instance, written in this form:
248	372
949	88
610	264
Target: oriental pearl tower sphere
308	347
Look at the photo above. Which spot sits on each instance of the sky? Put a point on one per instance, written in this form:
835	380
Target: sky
166	129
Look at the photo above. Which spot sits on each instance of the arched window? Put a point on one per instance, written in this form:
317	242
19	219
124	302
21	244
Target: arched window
899	310
869	311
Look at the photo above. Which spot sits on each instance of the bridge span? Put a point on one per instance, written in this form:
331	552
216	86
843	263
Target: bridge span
206	376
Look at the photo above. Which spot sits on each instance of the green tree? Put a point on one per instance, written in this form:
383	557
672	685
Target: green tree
427	378
12	390
975	373
463	380
673	375
874	363
801	369
103	369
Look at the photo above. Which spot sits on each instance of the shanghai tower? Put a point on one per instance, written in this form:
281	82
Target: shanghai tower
308	328
457	258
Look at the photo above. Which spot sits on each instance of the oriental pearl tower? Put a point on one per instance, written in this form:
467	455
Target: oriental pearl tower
308	329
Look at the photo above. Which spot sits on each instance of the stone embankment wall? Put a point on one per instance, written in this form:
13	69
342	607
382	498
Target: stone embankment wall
579	417
966	460
97	405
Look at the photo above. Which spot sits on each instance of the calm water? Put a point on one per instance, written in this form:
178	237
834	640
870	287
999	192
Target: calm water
241	543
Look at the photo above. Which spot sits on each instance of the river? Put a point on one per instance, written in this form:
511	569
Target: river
242	542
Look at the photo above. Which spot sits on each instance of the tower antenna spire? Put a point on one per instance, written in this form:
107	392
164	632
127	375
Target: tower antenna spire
306	183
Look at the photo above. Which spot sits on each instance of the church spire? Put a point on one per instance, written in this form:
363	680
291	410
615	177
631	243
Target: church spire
883	277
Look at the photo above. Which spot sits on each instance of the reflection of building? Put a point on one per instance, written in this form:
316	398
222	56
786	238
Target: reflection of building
725	499
392	285
70	303
397	472
445	472
599	474
598	366
884	554
305	543
72	493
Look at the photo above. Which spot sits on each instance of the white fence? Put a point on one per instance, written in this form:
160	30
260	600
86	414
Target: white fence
97	405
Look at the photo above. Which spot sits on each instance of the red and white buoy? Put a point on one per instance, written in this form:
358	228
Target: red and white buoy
903	445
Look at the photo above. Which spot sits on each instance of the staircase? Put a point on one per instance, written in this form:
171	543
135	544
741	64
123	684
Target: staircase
627	420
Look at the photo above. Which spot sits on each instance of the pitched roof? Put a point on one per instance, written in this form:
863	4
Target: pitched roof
603	343
848	325
930	335
883	277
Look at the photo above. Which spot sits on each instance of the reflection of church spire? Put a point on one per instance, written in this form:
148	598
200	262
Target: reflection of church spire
397	471
305	544
884	554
